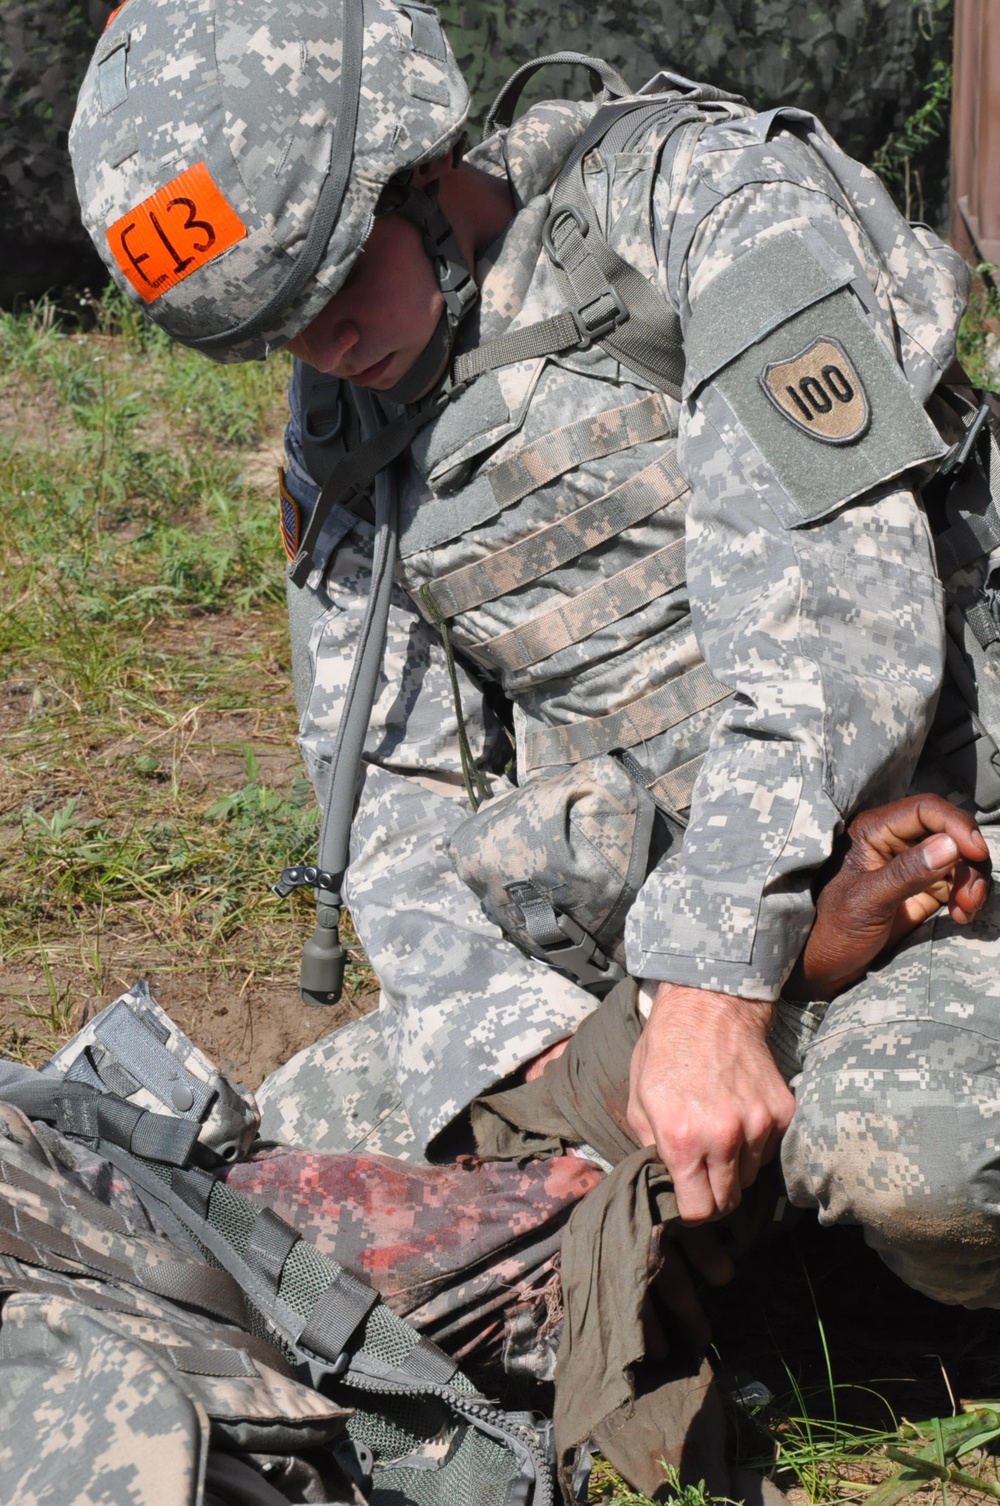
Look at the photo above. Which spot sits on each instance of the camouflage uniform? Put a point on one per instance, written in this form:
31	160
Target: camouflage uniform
825	619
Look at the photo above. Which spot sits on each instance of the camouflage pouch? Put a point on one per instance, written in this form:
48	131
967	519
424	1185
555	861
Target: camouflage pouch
134	1051
562	855
127	1363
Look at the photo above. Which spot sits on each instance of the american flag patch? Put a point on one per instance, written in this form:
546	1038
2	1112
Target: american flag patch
289	518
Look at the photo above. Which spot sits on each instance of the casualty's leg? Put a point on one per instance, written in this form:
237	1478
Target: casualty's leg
897	1124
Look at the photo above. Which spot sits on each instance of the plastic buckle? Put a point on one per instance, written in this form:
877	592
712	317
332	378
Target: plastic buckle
552	224
959	453
322	1366
304	876
296	876
331	432
582	959
590	332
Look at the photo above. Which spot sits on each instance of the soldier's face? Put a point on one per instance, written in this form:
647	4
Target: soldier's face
373	330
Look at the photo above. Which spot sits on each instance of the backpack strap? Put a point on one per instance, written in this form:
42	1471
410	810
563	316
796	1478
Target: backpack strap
609	303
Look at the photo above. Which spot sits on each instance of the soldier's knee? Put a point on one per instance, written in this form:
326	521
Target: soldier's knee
917	1166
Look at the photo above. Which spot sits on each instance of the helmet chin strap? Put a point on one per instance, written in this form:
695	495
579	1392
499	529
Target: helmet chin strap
422	208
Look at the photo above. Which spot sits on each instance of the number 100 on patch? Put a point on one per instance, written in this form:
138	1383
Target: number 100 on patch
820	391
173	232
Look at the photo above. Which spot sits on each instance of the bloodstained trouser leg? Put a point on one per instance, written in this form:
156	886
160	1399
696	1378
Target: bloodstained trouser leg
897	1121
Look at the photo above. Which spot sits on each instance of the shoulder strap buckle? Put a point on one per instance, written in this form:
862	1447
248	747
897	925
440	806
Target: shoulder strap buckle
595	320
557	229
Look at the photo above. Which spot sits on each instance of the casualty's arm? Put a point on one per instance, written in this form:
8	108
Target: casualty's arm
894	868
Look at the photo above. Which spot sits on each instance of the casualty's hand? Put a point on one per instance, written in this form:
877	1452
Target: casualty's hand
705	1090
899	863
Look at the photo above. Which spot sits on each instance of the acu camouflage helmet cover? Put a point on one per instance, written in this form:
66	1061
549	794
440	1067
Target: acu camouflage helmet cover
229	154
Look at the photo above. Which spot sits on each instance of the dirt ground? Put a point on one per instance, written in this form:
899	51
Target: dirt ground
247	1018
248	1025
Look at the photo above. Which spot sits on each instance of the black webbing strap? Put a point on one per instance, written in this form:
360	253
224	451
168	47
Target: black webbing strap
353	477
337	1315
90	1114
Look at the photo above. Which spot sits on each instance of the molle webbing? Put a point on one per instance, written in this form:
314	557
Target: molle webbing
582	616
591	438
441	519
657	486
644	718
672	791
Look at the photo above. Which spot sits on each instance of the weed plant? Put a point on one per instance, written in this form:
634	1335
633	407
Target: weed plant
149	789
979	335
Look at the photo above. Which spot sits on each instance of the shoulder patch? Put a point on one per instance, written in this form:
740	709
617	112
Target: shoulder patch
820	391
784	340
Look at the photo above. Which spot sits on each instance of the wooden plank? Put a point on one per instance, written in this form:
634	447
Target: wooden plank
975	140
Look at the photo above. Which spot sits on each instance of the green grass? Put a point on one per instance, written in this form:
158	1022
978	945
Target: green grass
607	1485
979	335
149	788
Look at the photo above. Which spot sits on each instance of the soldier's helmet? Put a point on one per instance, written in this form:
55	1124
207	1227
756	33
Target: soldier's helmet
230	154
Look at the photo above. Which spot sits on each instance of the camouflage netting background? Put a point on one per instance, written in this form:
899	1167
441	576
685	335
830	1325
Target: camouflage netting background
44	48
862	65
